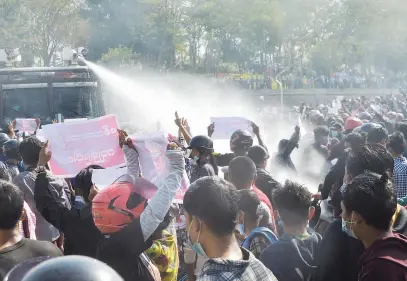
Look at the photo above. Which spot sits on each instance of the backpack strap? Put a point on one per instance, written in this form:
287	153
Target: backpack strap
266	232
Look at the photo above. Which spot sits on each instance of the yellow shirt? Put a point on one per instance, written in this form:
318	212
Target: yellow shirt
396	213
164	254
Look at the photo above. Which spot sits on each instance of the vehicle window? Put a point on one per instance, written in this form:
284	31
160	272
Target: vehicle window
26	103
73	102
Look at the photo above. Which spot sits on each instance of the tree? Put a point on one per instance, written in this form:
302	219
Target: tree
119	55
50	25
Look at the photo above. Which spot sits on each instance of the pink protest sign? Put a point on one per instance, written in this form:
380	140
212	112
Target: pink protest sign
76	145
154	164
26	125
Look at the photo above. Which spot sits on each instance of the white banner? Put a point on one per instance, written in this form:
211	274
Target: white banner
225	126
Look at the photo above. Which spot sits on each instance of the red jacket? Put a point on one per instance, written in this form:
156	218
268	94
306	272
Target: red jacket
263	198
385	260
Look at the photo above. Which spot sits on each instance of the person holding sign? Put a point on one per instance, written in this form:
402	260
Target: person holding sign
203	161
240	142
81	234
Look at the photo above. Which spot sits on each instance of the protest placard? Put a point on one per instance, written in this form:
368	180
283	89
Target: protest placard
225	126
154	164
40	135
76	145
26	125
102	178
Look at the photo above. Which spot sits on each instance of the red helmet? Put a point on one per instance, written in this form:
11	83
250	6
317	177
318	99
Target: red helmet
352	123
120	203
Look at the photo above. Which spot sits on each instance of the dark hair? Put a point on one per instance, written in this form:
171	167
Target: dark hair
214	201
242	172
249	202
355	140
373	158
11	205
5	175
321	131
29	149
377	134
373	197
83	181
397	143
214	164
402	127
282	144
292	201
258	154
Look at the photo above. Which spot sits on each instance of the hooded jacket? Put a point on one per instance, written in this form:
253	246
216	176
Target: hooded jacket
292	258
385	259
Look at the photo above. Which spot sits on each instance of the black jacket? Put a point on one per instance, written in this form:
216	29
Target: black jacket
283	158
266	183
81	234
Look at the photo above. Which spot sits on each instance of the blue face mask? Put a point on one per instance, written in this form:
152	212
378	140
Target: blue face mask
240	227
349	232
196	158
196	247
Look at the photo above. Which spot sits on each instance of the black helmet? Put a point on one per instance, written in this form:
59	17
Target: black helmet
20	270
200	142
241	140
3	138
72	268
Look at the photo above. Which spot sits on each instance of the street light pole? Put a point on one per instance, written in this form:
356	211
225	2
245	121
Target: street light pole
281	91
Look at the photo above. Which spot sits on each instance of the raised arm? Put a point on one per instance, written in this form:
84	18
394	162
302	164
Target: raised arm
52	200
158	206
256	131
293	143
133	163
183	127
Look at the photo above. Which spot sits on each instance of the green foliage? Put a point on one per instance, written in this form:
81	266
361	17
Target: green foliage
119	55
209	35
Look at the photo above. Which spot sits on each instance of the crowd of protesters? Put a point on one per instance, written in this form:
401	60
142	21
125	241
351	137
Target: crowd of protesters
236	222
336	80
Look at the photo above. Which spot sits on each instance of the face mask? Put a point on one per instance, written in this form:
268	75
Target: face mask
349	232
196	247
240	227
334	134
196	158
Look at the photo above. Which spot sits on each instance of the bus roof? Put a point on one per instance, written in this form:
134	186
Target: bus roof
31	75
6	71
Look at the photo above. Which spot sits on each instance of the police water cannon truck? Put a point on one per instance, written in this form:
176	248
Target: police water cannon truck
70	92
